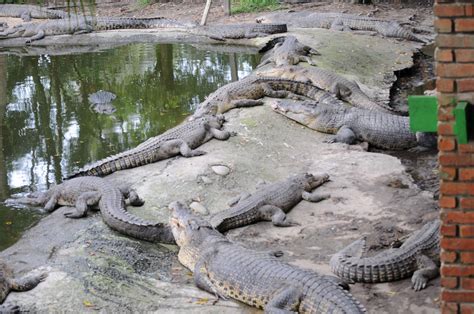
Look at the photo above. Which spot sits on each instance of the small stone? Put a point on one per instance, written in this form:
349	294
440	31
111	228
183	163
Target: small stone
198	208
221	170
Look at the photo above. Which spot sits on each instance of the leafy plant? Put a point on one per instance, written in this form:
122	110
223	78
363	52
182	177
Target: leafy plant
245	6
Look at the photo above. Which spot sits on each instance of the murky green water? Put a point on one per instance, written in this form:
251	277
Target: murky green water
48	127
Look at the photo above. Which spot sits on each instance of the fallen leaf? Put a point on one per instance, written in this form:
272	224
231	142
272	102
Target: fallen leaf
202	301
87	303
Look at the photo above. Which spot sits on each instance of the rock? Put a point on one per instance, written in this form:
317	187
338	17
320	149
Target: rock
199	208
220	170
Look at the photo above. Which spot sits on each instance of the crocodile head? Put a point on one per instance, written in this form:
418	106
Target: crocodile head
310	181
305	113
188	229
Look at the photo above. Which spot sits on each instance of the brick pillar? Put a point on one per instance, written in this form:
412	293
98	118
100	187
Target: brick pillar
455	81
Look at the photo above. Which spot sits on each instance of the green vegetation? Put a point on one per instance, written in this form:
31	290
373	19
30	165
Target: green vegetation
143	3
245	6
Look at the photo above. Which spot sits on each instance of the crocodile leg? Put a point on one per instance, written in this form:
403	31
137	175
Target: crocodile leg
219	134
202	280
38	36
314	197
340	90
242	103
184	149
276	215
286	301
83	202
343	135
427	270
235	200
306	59
52	202
131	195
27	282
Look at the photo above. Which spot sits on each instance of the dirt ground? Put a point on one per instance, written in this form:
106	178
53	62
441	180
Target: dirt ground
371	194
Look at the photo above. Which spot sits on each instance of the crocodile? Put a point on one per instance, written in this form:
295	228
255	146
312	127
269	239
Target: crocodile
270	202
8	283
248	91
228	270
27	12
85	192
288	51
237	31
85	24
101	102
379	129
416	257
182	139
329	81
342	22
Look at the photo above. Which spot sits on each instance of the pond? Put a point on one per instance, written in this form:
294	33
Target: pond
48	128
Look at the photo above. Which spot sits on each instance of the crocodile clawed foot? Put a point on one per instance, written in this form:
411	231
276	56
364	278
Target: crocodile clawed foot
419	283
330	140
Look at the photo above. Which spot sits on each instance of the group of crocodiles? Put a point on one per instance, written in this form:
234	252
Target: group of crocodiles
322	100
73	23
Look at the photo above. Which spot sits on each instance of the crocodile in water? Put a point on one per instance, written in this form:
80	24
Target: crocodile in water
329	81
270	202
9	283
248	91
101	102
288	51
27	12
416	257
258	279
342	22
237	31
85	192
379	129
182	139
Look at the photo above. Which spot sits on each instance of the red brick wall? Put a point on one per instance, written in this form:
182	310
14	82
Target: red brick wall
455	81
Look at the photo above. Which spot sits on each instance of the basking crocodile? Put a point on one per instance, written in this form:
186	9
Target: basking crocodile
85	192
248	91
27	12
270	202
237	31
415	257
329	81
182	139
340	21
258	279
379	129
85	24
9	283
36	31
101	102
288	51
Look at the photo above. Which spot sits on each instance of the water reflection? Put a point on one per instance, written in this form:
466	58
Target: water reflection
47	127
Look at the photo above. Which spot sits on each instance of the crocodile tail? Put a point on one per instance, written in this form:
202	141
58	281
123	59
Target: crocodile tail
126	160
343	263
118	218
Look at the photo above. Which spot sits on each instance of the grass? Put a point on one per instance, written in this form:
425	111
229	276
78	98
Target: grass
246	6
